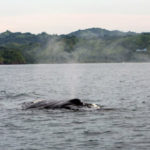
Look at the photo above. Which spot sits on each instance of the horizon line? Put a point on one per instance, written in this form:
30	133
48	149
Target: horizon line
73	31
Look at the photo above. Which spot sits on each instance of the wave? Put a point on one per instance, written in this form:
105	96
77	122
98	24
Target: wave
7	95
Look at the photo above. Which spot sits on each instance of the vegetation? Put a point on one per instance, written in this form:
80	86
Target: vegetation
90	45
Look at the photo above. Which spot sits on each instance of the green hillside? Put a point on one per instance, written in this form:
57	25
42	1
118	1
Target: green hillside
90	45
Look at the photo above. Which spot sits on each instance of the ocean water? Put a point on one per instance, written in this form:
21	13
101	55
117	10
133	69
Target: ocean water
122	87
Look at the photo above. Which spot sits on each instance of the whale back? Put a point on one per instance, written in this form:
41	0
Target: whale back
73	104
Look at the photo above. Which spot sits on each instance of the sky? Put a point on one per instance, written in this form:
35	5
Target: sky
65	16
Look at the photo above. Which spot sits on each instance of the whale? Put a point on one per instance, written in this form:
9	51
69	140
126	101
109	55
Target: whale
72	104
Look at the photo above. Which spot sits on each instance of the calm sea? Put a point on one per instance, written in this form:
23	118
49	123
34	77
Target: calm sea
123	87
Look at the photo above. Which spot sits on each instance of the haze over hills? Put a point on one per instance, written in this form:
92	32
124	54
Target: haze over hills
89	45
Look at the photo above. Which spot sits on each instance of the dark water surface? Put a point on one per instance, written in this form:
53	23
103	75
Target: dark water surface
125	87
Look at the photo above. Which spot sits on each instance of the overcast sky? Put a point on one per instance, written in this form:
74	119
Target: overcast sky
64	16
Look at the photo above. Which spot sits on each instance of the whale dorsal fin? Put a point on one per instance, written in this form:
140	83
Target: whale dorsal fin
76	101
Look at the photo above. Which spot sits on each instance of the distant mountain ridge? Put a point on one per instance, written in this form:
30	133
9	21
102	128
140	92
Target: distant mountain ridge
89	45
100	33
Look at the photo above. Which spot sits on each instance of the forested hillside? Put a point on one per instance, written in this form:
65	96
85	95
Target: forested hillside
90	45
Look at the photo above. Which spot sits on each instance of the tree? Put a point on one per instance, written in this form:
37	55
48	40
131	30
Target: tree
13	57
